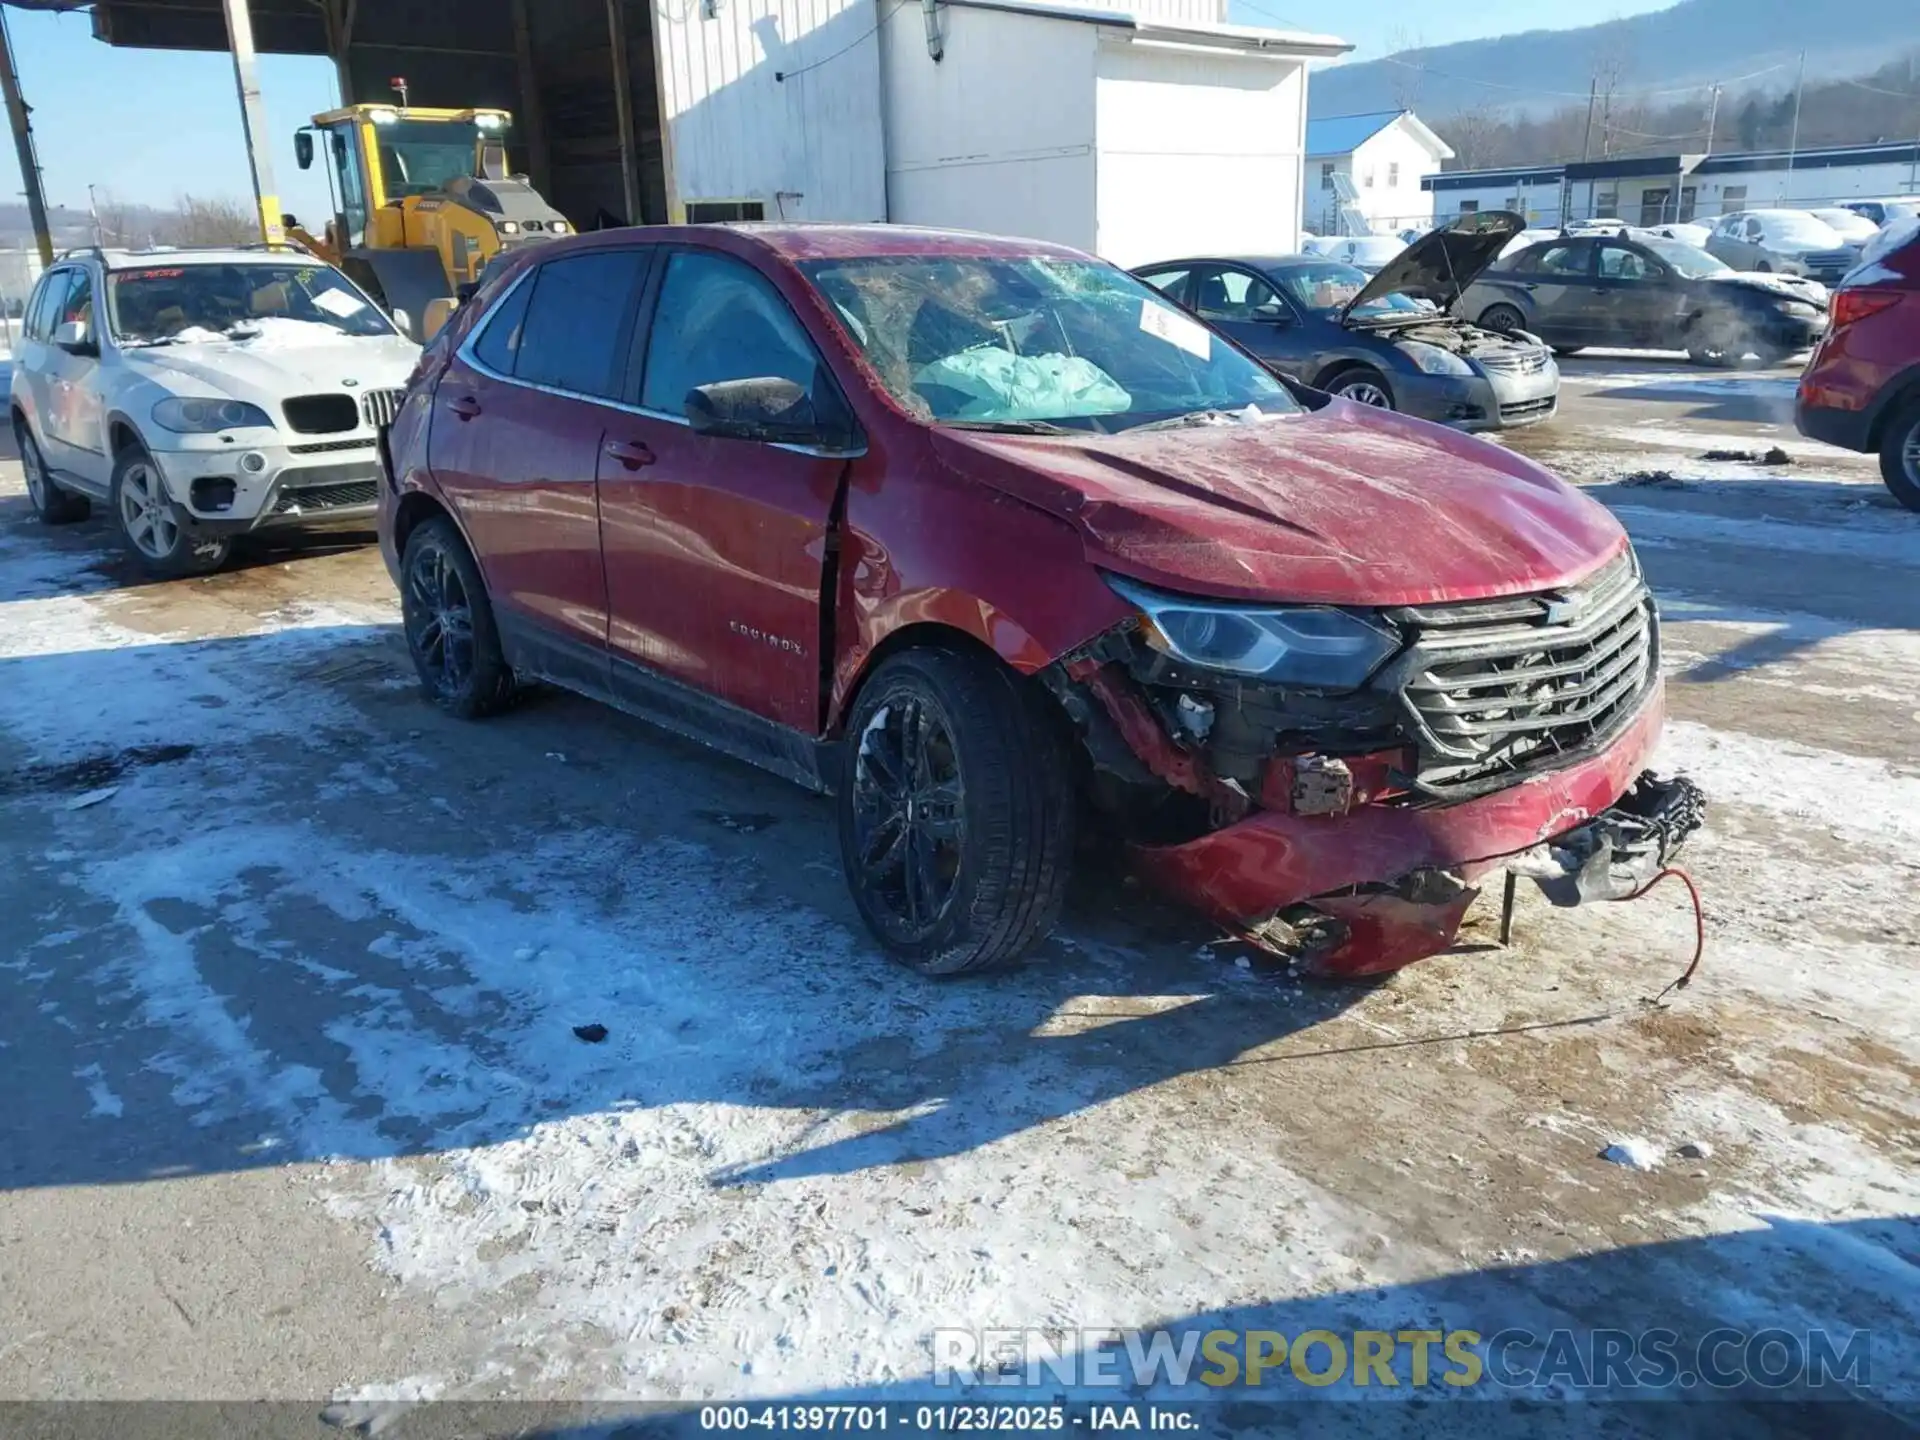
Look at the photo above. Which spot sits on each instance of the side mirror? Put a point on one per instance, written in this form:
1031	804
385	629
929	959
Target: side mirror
76	338
303	148
766	408
434	319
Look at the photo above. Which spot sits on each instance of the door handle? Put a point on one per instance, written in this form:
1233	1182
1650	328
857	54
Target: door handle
465	406
630	453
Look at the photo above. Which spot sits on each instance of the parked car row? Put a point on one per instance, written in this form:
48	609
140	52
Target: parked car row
990	540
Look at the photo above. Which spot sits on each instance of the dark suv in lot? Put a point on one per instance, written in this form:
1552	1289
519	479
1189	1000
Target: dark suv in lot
1861	389
983	537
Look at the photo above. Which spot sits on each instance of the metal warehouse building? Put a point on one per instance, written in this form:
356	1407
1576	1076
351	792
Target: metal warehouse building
1659	189
1136	133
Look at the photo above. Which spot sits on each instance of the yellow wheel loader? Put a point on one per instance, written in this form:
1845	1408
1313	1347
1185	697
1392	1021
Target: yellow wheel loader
422	201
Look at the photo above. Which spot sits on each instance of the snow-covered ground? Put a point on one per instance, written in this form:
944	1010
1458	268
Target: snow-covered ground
318	955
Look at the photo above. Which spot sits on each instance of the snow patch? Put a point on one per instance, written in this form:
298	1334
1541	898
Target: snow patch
1634	1153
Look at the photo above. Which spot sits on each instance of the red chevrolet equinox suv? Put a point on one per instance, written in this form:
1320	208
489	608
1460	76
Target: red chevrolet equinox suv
1861	388
987	539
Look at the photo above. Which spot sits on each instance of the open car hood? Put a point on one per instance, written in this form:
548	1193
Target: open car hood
1442	263
1345	505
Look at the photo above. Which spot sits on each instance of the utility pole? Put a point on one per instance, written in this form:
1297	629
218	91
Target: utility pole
1593	94
253	120
1713	113
1793	144
17	112
93	210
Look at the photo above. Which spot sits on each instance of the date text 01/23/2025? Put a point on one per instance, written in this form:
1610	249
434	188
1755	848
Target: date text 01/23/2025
962	1418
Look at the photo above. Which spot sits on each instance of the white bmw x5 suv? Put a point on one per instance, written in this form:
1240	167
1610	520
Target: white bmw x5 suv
204	394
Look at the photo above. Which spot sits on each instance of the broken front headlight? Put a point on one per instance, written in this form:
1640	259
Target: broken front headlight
1290	645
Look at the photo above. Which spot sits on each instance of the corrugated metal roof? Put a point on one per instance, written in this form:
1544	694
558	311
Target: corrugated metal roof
1337	134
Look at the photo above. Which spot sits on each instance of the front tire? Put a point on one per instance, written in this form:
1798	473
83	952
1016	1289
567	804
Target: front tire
1900	456
1364	385
956	814
53	505
159	534
449	624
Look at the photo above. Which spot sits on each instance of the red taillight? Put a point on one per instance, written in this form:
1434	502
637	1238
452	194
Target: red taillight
1852	305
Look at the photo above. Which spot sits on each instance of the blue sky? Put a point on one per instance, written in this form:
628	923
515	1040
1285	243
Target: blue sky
149	125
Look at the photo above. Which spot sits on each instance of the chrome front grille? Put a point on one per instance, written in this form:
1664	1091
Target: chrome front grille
1514	362
379	408
1498	687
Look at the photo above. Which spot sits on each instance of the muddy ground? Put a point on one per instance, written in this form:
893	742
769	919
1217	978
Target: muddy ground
290	966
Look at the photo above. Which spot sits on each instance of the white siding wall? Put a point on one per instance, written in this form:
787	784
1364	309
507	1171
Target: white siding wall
809	147
1199	150
997	136
1539	203
1808	186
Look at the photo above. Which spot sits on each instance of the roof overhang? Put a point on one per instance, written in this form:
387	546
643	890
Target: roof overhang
1424	133
1287	44
1633	167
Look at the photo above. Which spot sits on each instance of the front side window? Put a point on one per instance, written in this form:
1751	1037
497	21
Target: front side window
1233	295
186	304
1025	340
717	320
76	306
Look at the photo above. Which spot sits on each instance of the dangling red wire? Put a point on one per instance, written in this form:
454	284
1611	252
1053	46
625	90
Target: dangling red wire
1699	926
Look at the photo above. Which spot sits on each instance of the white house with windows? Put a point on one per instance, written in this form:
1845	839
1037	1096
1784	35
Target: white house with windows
1386	154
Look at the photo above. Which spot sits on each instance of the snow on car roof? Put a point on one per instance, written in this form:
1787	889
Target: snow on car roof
193	255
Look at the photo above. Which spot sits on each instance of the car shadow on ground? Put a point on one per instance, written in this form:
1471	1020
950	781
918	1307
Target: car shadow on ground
1785	1329
314	917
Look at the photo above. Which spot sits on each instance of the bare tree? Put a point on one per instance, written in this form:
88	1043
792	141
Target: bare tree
120	223
216	220
1480	135
1612	64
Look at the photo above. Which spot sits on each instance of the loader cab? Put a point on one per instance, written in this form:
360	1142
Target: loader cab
379	156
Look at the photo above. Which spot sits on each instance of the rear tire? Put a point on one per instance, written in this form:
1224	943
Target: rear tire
1900	455
53	505
449	624
1502	318
956	813
1364	385
161	536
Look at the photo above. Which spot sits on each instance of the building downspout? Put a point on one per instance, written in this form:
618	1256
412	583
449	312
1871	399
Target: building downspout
936	47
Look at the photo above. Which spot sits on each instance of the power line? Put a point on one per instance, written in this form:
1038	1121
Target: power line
868	34
1575	95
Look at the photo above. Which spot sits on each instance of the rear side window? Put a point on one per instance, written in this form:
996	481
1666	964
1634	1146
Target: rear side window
717	319
570	337
499	342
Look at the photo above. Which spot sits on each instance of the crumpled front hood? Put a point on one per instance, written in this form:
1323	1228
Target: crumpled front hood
1346	505
267	374
1793	287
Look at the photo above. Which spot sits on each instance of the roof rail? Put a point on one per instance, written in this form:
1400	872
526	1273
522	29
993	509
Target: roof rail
80	250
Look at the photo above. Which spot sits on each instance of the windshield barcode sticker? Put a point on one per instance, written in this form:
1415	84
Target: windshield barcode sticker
1176	329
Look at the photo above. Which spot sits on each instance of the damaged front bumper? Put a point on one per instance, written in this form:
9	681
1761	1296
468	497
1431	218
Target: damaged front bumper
1381	886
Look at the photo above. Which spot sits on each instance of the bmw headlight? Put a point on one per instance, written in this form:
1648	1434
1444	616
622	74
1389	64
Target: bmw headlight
1433	359
1291	645
204	417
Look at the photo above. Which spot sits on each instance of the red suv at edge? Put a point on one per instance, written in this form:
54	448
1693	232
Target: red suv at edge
988	539
1861	388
